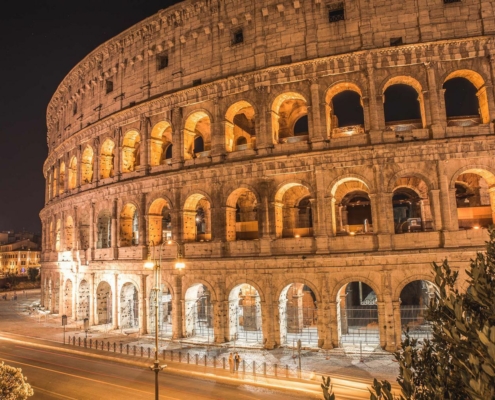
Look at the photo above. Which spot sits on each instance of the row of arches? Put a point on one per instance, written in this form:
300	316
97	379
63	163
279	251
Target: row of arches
412	206
466	103
298	307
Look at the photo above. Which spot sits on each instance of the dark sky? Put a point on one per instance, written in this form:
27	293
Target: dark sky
41	42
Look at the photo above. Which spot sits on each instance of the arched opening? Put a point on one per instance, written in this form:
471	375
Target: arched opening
298	315
197	218
290	118
68	298
293	213
164	312
55	182
161	140
104	226
107	159
466	101
83	224
83	301
159	222
414	301
199	313
344	110
245	314
357	314
197	135
49	186
242	215
104	303
129	226
69	233
240	133
129	306
351	208
87	165
73	173
58	236
61	180
130	151
475	199
411	205
169	151
403	104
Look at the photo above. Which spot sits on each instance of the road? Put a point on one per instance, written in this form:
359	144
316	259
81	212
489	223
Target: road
57	375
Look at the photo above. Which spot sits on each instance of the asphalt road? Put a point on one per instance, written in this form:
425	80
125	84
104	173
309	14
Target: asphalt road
57	375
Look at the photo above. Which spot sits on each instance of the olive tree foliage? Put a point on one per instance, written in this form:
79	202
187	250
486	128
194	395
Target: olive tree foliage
13	385
459	362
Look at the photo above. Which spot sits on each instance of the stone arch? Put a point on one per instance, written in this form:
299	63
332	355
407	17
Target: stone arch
404	282
287	109
240	124
58	236
358	278
69	233
129	305
129	225
242	215
352	208
245	313
407	173
104	229
338	116
68	298
159	221
87	165
107	159
475	196
72	180
61	178
334	185
298	314
131	143
161	139
293	210
198	311
479	83
307	282
408	81
197	217
197	124
104	304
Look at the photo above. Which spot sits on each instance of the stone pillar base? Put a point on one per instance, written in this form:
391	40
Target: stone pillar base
319	144
265	151
384	242
322	244
437	131
376	137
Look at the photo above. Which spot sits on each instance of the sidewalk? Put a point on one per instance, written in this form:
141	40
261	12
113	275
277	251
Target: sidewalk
343	363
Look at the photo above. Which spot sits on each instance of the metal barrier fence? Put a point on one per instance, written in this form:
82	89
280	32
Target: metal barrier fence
246	366
413	317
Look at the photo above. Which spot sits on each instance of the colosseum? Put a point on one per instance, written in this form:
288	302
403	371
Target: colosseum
306	160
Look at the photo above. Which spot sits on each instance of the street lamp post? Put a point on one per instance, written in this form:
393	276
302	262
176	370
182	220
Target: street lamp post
156	266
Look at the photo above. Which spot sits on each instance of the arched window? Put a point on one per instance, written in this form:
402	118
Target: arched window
130	152
240	123
199	145
161	142
87	165
288	110
301	126
401	104
107	159
197	125
73	173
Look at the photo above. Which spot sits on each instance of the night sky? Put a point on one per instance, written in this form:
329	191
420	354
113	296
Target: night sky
41	42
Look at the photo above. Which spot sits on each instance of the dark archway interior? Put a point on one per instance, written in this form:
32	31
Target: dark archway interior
301	126
199	144
460	98
401	103
347	108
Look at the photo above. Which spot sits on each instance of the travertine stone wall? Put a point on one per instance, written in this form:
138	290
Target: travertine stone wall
275	208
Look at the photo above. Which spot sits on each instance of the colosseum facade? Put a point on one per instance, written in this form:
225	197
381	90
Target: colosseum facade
309	159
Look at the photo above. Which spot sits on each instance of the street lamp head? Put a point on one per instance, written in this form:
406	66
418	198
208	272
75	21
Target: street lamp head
149	264
180	265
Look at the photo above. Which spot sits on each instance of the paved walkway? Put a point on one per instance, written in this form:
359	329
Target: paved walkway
16	317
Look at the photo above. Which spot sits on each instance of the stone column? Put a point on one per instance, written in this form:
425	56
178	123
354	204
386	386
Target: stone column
61	292
117	153
176	224
177	302
116	303
219	321
264	137
445	200
434	196
92	294
217	134
491	192
79	164
177	138
438	120
96	160
92	236
114	240
270	328
143	307
75	297
324	328
62	232
143	233
375	119
316	131
145	148
397	323
382	329
333	325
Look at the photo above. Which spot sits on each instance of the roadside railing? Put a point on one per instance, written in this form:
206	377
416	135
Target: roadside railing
246	366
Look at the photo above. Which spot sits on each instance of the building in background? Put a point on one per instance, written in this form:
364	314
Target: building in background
312	158
18	256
